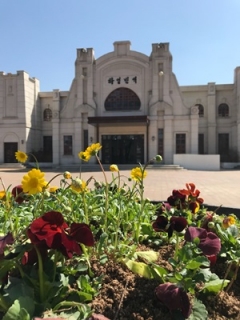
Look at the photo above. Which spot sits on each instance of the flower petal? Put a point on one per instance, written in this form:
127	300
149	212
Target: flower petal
160	224
178	223
174	298
81	232
211	245
193	232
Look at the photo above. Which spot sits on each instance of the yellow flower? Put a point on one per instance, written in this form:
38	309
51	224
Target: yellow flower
67	175
21	156
79	185
83	155
2	195
138	174
34	182
114	168
228	221
93	149
53	189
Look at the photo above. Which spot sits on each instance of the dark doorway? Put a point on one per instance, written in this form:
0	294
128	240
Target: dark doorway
9	152
123	149
47	149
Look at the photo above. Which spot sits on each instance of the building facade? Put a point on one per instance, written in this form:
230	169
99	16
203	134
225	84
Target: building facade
129	102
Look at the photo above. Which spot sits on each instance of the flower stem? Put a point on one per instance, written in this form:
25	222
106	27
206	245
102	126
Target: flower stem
40	275
106	193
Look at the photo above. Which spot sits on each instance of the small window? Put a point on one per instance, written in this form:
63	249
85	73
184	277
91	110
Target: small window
67	145
200	109
47	114
180	143
223	110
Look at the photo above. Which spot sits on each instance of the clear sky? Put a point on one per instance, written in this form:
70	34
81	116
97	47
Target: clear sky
41	36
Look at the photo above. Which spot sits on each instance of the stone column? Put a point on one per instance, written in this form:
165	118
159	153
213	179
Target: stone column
78	133
211	115
56	138
152	132
194	130
168	139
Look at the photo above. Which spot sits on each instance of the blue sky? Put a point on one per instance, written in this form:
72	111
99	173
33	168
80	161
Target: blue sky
41	36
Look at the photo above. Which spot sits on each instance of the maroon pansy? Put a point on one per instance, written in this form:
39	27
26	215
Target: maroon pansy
209	242
81	232
174	224
52	230
176	199
17	193
174	298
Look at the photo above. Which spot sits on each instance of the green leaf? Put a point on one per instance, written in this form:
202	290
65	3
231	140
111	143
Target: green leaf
199	311
150	256
16	312
140	268
215	286
197	262
158	272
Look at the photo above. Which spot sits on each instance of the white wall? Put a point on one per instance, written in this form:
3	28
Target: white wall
198	161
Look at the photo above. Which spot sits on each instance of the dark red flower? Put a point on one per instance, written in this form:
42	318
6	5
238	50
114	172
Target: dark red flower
209	242
30	257
176	199
17	193
174	298
48	228
81	232
55	233
174	224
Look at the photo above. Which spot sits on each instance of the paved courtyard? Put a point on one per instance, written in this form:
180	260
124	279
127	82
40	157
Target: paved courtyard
217	187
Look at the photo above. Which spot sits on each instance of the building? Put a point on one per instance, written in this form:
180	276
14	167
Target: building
129	102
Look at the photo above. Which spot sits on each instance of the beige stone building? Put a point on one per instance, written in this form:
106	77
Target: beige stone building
129	102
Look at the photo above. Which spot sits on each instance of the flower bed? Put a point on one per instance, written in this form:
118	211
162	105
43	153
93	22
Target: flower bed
71	252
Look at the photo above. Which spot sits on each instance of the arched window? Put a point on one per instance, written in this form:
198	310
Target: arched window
200	109
47	114
223	110
122	99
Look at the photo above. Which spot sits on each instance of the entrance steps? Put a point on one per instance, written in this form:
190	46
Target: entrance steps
96	167
86	167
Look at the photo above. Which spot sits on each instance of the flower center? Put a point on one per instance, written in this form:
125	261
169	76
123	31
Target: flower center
33	182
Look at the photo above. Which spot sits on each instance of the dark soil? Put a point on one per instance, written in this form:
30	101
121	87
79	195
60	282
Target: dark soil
126	296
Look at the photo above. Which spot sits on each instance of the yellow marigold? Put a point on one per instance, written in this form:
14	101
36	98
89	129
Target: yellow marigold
2	195
21	156
114	168
33	182
79	185
67	175
83	155
53	189
138	174
228	221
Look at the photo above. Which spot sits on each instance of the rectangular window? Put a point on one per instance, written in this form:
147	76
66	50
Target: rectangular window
200	143
160	142
67	145
180	143
85	139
